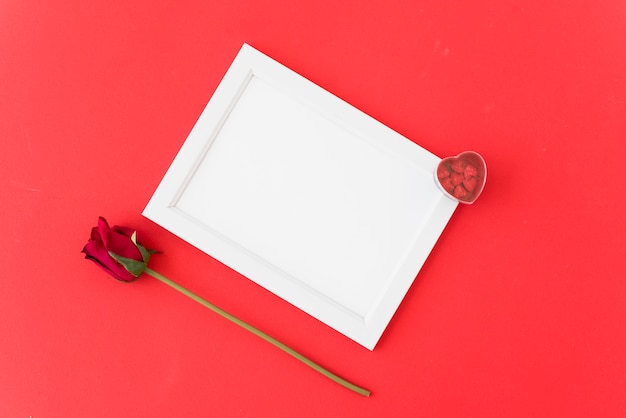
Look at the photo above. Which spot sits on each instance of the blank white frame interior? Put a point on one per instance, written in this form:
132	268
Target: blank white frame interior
306	196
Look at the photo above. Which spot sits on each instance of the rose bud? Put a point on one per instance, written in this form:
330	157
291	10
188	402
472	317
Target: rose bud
116	251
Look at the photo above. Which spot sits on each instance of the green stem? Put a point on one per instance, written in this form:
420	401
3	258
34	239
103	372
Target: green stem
257	332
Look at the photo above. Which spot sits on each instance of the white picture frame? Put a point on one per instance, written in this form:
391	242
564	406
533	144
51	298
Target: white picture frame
305	195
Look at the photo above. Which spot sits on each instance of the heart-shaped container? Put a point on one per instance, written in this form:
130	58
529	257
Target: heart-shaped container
462	178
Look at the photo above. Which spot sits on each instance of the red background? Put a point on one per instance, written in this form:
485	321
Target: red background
519	311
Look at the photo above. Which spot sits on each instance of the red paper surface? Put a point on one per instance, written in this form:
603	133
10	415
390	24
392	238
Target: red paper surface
519	311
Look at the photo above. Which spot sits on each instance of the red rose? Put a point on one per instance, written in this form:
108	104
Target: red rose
116	251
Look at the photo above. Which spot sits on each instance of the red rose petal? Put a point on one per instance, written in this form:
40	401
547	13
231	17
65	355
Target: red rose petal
117	242
96	251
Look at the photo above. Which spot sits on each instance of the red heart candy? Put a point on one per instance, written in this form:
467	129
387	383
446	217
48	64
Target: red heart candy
457	178
459	192
458	166
442	172
468	173
470	183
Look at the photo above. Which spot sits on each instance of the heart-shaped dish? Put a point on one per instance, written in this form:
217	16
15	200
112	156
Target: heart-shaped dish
463	177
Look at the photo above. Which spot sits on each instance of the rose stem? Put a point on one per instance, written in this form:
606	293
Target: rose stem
257	332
